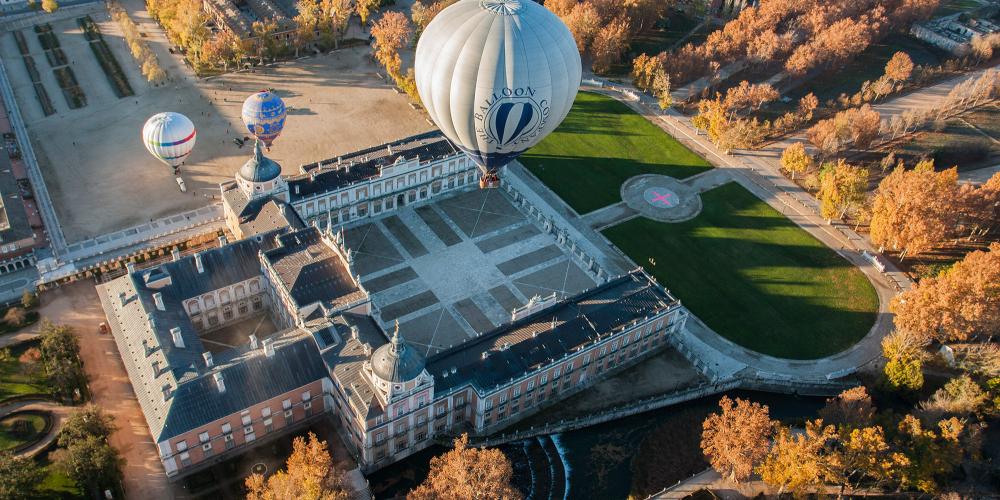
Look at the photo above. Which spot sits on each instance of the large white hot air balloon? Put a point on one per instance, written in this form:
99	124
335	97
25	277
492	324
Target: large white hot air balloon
497	76
169	137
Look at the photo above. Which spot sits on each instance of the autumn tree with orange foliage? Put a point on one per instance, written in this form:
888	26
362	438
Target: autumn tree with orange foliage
609	44
737	438
465	473
855	127
309	474
424	11
795	462
747	96
583	22
959	304
842	189
852	407
913	210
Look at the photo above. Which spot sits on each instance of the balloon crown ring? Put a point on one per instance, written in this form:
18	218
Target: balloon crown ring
502	7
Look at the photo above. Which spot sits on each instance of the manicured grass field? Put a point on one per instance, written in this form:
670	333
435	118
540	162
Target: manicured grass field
602	143
755	277
14	381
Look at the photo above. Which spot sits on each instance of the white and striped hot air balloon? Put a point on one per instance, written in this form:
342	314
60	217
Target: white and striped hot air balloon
169	137
497	76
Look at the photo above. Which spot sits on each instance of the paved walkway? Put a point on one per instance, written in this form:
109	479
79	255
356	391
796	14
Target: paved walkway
978	176
56	411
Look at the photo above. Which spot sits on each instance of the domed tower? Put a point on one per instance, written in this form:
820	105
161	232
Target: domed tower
260	175
397	370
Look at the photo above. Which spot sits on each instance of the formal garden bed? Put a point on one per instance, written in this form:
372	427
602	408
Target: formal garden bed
36	78
22	43
23	429
56	57
108	61
75	97
46	37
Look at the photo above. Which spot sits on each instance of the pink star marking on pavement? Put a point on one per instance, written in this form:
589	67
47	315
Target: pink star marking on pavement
662	199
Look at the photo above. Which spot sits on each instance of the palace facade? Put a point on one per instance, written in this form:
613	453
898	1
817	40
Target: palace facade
328	358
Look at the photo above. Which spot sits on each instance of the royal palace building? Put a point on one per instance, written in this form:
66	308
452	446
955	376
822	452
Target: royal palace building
206	399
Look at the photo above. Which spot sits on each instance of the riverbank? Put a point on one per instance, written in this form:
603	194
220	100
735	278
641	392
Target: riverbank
641	453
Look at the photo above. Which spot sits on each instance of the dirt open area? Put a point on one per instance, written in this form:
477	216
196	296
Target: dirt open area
77	305
99	174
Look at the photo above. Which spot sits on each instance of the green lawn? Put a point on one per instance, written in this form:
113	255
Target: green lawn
58	485
600	144
13	379
13	435
755	277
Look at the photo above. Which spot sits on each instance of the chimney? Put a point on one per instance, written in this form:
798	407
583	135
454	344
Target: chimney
156	368
176	254
198	264
158	299
253	342
123	298
222	241
175	334
219	382
354	332
268	347
208	359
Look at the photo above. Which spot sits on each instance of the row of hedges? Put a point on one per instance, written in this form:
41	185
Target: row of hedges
90	30
22	44
108	61
56	57
75	97
46	37
36	78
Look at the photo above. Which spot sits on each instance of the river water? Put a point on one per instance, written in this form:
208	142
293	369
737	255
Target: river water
637	454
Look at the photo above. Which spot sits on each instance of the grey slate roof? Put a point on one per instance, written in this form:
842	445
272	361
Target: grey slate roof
259	168
522	346
365	164
397	361
346	361
249	379
142	334
310	270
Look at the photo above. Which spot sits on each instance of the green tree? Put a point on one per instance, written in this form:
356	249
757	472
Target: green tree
91	421
61	359
19	476
92	463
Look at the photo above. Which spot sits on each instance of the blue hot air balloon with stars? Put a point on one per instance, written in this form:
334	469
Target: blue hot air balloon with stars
264	115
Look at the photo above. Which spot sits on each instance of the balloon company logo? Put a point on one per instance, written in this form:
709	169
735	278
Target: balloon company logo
511	116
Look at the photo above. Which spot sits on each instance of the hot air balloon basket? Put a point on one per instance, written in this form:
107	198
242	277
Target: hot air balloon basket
489	181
